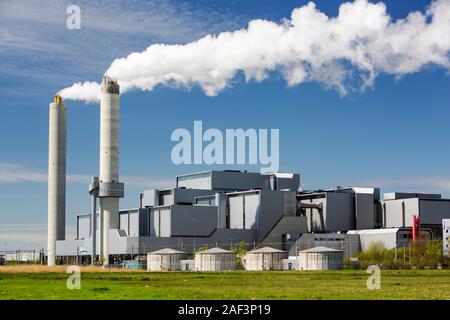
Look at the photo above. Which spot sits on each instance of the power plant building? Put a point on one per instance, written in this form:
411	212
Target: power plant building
287	219
219	208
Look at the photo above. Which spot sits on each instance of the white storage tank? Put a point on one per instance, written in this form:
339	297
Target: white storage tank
165	260
321	258
215	259
187	265
265	258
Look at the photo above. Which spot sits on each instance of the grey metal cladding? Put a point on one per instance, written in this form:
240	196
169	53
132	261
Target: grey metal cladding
236	211
123	222
364	210
236	180
339	215
165	222
272	209
111	189
150	198
201	180
193	220
83	227
433	211
291	184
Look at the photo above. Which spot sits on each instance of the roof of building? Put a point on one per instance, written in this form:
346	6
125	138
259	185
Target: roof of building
374	231
321	249
214	250
265	250
166	251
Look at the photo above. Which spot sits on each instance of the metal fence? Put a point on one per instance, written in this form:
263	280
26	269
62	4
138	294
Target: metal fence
21	256
406	254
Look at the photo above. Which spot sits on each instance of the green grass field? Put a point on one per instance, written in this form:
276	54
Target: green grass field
346	284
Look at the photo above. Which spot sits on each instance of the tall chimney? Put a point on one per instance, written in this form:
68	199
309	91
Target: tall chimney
56	176
110	189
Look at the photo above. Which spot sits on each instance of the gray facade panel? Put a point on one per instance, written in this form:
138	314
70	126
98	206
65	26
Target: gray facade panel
83	226
252	210
236	203
231	180
340	212
200	180
123	222
365	211
272	210
134	224
398	213
434	211
164	222
193	220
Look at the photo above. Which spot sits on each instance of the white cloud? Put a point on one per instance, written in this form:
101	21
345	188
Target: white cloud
13	173
36	45
341	52
438	184
27	236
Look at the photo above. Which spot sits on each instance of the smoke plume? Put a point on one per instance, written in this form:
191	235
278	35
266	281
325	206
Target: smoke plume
345	52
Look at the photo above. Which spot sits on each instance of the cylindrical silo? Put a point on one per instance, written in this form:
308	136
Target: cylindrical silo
110	190
321	258
165	260
215	259
264	259
56	176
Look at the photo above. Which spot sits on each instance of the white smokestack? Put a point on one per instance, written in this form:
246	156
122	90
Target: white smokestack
110	190
340	52
56	177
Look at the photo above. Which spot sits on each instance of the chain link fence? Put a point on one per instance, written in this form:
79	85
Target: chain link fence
417	254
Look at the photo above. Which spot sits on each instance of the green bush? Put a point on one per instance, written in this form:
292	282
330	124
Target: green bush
420	255
240	250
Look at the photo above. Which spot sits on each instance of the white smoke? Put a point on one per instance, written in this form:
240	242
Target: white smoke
339	52
87	91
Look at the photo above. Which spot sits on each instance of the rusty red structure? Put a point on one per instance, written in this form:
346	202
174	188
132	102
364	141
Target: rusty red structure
416	227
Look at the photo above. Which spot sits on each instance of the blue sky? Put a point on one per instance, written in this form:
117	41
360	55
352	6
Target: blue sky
393	135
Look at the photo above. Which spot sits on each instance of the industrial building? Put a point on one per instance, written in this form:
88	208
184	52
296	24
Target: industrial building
390	237
219	208
399	209
192	214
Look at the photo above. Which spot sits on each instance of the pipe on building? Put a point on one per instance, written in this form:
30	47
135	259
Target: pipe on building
305	205
56	176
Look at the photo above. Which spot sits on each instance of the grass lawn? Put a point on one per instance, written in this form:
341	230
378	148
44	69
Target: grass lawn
345	284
